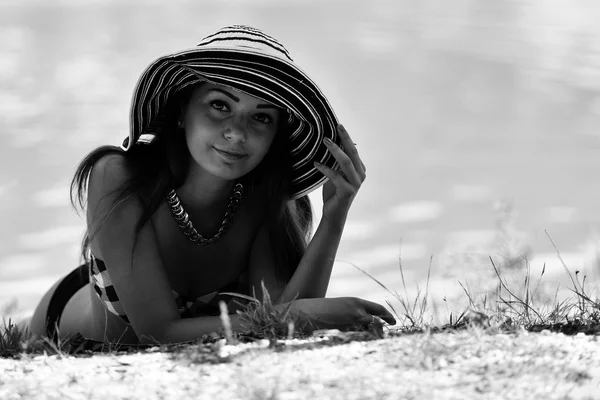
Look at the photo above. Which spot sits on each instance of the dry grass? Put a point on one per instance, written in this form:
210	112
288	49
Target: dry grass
506	308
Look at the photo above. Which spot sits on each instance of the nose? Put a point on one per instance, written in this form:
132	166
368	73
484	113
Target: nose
236	130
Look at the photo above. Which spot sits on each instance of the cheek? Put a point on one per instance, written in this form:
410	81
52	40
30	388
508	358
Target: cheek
192	139
264	144
200	130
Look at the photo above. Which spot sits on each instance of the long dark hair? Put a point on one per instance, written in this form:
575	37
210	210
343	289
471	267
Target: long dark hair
162	164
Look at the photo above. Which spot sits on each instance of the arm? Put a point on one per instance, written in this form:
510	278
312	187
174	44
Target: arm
313	273
312	276
343	312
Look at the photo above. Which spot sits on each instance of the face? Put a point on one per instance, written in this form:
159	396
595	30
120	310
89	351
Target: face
228	133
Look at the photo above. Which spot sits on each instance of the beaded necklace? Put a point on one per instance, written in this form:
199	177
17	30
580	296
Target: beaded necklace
183	220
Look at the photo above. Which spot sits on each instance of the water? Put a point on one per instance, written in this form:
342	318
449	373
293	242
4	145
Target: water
460	109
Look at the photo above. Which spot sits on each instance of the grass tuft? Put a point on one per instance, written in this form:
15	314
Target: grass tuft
263	320
12	339
412	314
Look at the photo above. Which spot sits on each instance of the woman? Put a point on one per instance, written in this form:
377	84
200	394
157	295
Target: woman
208	194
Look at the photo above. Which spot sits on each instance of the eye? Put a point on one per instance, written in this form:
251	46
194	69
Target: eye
219	105
263	118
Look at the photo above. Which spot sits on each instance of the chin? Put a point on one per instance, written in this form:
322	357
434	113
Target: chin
216	167
234	170
230	174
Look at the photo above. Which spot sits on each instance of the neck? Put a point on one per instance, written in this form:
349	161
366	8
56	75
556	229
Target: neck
204	190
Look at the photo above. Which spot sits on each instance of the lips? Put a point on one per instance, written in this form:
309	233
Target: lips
231	155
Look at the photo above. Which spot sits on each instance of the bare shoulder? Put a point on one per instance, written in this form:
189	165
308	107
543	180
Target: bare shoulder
108	177
110	173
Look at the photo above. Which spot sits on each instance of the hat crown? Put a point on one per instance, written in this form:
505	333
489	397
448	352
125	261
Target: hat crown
245	38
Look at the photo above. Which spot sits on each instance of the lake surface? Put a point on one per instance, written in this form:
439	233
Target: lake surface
479	125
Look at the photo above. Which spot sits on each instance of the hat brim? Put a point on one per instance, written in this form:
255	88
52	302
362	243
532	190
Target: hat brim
272	79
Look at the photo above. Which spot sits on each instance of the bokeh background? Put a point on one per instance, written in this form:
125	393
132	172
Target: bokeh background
478	121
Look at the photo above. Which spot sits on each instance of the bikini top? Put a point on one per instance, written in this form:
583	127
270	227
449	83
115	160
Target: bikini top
205	305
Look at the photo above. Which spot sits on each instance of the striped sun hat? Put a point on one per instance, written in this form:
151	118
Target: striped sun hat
250	61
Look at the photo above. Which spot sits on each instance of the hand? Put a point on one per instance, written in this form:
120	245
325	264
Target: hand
340	312
343	184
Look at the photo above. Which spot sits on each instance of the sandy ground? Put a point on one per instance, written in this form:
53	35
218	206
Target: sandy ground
458	365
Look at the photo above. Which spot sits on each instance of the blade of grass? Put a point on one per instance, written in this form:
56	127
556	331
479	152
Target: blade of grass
575	284
508	290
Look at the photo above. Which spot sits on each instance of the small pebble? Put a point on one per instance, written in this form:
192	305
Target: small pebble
442	363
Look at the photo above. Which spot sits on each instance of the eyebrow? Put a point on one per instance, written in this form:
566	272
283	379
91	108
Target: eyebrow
226	93
237	100
267	106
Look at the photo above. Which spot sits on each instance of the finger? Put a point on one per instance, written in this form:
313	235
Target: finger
350	148
345	162
368	319
336	177
365	320
380	311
